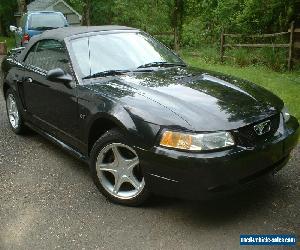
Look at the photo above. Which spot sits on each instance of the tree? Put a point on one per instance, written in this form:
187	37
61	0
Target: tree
177	22
194	22
22	6
7	9
86	17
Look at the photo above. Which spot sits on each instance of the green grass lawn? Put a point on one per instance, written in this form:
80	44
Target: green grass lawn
286	85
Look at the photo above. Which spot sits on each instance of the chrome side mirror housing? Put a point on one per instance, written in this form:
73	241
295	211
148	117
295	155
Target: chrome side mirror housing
15	29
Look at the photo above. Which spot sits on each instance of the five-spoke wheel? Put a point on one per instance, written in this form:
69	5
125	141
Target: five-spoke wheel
116	169
13	112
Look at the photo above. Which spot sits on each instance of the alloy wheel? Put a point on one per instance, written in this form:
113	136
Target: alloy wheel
119	172
13	112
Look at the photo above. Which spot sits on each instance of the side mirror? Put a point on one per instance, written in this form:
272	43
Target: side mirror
58	75
13	28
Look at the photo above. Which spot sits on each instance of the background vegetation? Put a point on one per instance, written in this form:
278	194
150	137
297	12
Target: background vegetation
200	21
197	24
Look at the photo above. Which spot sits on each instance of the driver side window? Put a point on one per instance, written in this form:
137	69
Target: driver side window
30	56
47	55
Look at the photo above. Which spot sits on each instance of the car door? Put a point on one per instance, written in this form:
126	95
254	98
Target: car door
51	105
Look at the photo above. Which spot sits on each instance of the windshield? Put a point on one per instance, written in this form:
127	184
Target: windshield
46	21
120	52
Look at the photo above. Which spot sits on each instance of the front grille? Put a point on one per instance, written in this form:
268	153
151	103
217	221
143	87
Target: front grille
246	136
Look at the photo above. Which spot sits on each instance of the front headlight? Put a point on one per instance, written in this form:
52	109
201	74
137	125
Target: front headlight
196	142
286	114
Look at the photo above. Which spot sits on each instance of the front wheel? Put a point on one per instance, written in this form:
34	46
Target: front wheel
13	113
116	170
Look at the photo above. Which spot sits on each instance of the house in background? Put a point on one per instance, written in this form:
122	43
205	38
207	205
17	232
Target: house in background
73	17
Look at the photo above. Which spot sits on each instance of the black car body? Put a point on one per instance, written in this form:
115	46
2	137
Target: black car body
75	111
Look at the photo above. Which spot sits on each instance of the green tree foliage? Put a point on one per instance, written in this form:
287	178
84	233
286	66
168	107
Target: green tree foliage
197	21
202	20
205	19
7	10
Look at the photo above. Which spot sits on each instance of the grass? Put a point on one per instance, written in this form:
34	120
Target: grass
284	84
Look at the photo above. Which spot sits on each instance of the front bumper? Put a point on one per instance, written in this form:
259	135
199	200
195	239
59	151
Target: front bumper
204	175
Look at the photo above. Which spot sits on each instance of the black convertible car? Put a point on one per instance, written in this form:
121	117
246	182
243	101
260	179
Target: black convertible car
142	119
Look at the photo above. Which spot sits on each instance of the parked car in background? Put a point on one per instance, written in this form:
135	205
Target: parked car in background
34	23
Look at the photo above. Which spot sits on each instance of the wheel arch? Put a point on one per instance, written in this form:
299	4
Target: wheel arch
5	88
102	123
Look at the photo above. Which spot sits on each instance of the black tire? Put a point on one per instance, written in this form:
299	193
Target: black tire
20	128
110	137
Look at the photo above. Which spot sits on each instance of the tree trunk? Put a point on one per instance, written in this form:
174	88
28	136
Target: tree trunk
1	27
86	17
177	17
22	6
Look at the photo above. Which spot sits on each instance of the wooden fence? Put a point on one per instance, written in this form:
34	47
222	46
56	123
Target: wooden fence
292	46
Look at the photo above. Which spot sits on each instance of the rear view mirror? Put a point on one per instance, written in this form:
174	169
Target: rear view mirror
58	75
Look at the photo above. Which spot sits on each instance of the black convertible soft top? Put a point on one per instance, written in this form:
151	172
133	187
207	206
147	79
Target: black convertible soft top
62	33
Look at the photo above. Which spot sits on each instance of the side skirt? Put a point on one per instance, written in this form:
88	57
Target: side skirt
63	145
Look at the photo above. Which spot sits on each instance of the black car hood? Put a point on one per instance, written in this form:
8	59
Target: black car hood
190	98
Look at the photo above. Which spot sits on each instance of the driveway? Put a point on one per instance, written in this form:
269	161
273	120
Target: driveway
48	201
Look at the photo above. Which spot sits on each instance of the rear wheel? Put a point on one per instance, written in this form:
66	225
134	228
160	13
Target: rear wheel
116	170
13	113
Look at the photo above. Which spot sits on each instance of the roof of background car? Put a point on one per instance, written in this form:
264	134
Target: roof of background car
43	12
62	33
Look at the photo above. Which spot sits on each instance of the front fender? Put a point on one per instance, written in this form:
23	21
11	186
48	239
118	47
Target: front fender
142	134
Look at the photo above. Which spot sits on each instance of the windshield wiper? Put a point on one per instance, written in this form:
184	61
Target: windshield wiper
161	64
107	73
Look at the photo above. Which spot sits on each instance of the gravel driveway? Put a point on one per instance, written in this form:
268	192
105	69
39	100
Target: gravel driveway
48	201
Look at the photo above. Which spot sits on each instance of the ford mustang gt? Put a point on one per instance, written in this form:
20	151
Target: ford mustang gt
144	121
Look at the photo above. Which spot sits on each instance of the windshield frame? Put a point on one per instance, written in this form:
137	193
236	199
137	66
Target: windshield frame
75	64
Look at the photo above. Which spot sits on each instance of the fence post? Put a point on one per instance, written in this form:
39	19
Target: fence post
291	47
222	50
176	39
3	48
